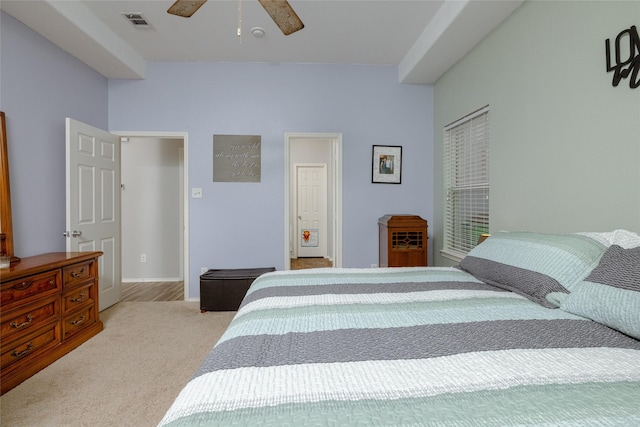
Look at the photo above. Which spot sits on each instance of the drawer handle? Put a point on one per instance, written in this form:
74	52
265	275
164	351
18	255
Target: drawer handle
78	321
22	286
78	274
24	352
23	324
81	298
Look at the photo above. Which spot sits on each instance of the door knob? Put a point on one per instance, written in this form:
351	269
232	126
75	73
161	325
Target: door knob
74	233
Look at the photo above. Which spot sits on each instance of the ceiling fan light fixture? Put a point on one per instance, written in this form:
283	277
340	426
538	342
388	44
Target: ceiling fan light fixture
280	11
257	32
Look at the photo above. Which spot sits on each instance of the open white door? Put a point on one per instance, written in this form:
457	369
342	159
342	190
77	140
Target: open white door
93	202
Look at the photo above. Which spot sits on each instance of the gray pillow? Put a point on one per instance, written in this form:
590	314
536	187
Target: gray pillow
534	264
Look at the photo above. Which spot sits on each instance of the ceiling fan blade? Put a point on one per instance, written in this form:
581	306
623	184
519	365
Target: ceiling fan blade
283	15
185	8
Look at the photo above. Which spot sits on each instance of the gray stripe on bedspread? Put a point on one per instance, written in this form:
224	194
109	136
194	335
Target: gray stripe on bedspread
417	342
365	288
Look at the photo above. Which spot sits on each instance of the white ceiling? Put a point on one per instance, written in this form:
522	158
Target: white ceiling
422	37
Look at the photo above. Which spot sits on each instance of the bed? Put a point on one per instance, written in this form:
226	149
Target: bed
529	329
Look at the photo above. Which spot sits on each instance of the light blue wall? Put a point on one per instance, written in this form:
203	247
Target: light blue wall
565	143
242	224
40	85
234	225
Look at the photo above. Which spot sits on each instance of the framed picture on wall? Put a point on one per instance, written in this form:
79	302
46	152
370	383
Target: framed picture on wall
387	164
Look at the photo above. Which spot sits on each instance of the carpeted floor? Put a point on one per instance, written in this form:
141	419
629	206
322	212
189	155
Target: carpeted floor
127	375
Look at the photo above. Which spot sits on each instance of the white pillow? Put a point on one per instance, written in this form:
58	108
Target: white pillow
623	238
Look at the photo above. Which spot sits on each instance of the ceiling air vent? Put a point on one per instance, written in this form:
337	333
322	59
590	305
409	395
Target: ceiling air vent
137	20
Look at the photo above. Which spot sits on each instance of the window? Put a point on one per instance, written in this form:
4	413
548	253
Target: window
466	180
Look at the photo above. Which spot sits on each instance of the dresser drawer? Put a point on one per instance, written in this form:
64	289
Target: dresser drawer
29	318
78	273
80	296
30	345
22	291
77	321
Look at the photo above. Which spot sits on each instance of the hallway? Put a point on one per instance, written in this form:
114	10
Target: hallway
304	263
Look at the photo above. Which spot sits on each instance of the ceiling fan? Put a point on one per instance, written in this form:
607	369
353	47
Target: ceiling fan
280	11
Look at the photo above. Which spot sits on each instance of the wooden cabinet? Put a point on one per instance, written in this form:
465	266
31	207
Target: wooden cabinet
49	306
402	241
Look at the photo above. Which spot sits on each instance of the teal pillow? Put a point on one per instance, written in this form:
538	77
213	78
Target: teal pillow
534	264
611	293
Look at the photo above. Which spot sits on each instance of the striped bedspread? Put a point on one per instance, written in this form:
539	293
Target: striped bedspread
408	346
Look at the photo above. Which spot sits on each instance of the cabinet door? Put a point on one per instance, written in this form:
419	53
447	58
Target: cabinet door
408	248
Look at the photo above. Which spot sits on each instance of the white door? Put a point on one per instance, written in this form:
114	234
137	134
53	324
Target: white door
93	202
311	194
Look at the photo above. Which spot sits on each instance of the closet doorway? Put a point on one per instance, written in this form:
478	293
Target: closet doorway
154	208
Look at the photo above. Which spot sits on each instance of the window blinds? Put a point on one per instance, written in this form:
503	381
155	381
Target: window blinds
466	175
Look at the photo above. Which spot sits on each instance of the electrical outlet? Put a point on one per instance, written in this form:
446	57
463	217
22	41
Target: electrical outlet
374	265
196	193
203	270
143	257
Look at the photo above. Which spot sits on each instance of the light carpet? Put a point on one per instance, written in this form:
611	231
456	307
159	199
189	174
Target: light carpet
127	375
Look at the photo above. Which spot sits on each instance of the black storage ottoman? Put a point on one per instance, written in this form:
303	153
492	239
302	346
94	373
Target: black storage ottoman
223	290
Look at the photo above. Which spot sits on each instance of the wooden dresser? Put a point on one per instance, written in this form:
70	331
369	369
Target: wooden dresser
402	241
49	306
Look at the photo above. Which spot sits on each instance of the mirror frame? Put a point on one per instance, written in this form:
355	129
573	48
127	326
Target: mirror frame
6	224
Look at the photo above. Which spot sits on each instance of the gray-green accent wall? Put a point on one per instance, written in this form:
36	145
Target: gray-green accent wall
565	143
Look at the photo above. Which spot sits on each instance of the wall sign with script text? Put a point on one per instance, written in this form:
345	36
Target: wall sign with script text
623	57
236	158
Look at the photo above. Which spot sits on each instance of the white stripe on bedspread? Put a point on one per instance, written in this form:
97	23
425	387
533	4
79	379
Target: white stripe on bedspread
379	298
326	276
269	386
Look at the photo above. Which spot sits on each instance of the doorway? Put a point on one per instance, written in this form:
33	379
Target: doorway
317	234
158	182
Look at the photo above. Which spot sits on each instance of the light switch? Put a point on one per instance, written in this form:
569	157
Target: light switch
196	193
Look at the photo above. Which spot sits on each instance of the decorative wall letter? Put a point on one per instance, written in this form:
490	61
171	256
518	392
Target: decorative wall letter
627	65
